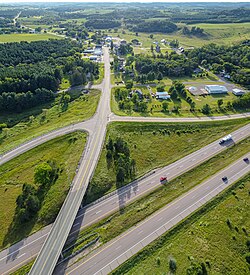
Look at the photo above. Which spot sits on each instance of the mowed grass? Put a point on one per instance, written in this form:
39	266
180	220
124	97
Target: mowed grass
16	37
155	106
66	152
152	148
204	237
37	121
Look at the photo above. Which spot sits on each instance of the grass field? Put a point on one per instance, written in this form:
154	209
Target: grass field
151	148
4	38
222	34
66	151
37	121
200	101
205	237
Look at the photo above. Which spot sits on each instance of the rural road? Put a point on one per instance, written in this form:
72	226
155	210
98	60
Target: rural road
23	251
114	253
96	128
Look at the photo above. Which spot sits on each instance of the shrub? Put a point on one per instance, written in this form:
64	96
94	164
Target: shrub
172	265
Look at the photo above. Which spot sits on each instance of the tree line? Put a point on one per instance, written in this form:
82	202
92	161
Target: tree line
163	26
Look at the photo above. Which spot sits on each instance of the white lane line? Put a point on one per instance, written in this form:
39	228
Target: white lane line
21	255
75	224
23	246
160	219
98	212
140	232
118	247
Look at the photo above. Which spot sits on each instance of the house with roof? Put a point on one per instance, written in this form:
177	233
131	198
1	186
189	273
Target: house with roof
138	92
162	95
216	89
238	92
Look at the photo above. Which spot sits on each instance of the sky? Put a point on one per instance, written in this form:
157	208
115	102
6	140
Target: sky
131	1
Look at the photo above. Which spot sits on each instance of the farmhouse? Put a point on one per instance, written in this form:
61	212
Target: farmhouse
162	95
238	92
216	89
138	92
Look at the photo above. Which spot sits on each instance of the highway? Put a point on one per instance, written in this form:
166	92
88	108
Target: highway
51	249
25	250
96	128
114	253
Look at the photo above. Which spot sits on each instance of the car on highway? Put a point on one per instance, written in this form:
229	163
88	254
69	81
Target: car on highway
224	179
225	139
163	180
246	160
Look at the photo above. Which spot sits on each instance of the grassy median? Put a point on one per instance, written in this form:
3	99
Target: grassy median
214	240
155	145
65	151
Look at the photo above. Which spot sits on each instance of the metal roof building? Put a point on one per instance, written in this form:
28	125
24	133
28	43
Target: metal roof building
216	89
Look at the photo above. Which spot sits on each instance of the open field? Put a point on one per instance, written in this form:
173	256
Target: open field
216	235
66	152
222	34
42	119
4	38
151	147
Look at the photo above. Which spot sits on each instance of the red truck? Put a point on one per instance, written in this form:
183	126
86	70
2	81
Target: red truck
163	180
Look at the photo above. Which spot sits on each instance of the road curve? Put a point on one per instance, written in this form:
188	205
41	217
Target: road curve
51	249
114	253
28	248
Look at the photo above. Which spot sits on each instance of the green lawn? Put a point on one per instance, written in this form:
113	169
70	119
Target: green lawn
151	147
37	121
200	101
205	237
66	151
4	38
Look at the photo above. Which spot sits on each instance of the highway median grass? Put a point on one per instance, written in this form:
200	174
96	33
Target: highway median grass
214	239
112	226
154	145
45	118
65	151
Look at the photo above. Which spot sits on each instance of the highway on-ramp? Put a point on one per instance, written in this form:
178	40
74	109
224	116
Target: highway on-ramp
25	250
114	253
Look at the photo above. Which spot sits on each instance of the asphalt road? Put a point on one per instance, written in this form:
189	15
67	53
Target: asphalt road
29	248
96	128
51	249
114	253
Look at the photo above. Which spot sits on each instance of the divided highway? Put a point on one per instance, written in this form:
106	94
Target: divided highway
57	233
29	248
114	253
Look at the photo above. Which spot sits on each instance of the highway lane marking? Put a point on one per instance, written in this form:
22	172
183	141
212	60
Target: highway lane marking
83	214
75	224
160	227
162	210
21	256
24	246
74	199
98	212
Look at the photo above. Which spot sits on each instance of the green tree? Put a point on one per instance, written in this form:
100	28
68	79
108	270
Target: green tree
219	103
164	105
120	175
172	265
206	109
43	173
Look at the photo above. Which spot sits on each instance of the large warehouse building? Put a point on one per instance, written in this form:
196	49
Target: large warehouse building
216	89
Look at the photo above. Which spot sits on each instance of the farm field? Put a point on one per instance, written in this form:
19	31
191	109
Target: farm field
151	147
66	152
7	38
221	34
215	237
42	119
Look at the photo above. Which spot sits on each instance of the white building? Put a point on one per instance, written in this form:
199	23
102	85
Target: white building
238	92
216	89
162	95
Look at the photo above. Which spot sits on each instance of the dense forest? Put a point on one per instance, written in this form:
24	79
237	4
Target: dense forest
232	60
154	26
102	24
173	65
30	73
